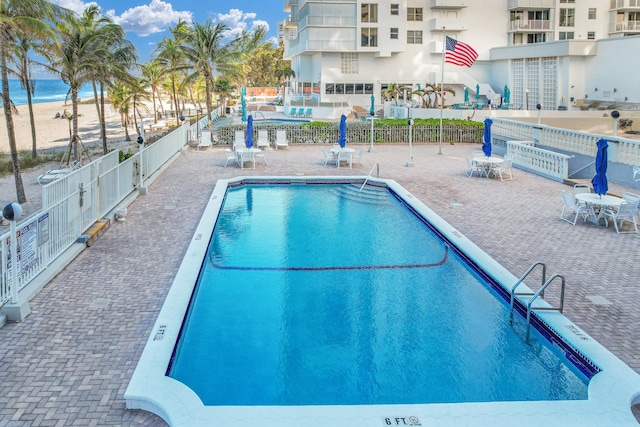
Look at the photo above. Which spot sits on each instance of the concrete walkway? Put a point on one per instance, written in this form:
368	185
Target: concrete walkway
70	361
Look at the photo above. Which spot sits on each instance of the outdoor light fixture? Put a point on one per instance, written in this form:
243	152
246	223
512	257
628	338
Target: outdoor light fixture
12	211
181	118
615	90
615	114
596	89
140	139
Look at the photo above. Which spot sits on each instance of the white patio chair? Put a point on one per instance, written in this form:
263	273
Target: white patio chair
263	139
636	173
626	212
229	155
632	198
358	156
54	174
498	169
473	166
281	139
245	156
261	156
205	140
329	157
576	207
345	156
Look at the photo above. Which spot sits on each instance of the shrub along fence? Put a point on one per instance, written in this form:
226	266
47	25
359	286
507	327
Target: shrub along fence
384	131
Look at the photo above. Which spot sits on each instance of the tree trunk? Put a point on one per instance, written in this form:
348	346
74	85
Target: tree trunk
6	100
207	91
103	122
74	136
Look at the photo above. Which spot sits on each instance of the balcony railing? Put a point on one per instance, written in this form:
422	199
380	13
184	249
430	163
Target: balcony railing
529	25
531	4
449	4
625	26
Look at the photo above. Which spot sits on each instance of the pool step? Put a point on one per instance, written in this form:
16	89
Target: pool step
369	194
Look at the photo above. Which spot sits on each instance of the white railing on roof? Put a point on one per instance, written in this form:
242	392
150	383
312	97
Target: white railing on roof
73	203
539	161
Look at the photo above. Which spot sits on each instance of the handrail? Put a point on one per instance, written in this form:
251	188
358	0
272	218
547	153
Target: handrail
255	113
540	292
519	282
369	176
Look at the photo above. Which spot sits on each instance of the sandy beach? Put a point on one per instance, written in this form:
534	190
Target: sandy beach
52	134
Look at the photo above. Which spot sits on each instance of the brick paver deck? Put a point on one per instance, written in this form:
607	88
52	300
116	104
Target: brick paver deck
70	361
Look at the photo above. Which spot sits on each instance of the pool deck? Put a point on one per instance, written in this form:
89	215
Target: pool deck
70	361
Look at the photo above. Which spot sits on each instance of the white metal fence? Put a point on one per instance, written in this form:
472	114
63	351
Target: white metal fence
73	203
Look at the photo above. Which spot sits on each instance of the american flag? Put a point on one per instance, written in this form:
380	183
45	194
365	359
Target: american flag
459	53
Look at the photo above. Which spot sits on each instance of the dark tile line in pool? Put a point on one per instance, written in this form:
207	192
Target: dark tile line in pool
332	268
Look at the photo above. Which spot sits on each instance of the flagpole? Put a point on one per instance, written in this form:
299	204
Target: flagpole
444	49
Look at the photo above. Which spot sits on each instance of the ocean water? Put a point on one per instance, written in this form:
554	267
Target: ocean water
49	90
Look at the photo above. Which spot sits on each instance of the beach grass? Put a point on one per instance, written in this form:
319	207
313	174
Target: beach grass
26	161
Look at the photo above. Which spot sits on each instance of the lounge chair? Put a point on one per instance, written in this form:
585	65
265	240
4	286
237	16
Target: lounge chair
281	139
308	112
293	112
238	139
205	140
300	112
263	139
55	174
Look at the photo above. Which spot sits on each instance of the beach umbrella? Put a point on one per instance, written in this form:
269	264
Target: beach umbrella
249	141
486	137
507	95
477	91
372	110
599	181
342	139
243	103
466	95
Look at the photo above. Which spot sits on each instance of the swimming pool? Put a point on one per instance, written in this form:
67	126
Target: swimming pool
150	388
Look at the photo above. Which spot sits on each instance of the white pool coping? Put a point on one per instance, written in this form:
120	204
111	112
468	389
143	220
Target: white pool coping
611	392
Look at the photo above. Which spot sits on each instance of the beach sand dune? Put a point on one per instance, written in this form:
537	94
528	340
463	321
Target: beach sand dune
52	135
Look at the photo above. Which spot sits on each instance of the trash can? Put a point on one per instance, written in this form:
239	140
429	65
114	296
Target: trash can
227	110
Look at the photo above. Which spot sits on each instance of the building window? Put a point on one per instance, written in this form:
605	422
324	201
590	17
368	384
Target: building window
592	13
414	14
634	16
368	88
566	35
591	35
394	34
567	1
329	89
349	63
369	12
567	17
536	38
369	37
395	9
414	37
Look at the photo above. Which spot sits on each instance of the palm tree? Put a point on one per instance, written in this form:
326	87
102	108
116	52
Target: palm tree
204	50
439	93
79	56
284	75
171	56
153	73
393	91
30	17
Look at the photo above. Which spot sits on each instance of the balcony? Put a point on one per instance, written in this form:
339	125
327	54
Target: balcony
528	25
625	27
621	5
449	4
288	4
288	23
446	24
531	4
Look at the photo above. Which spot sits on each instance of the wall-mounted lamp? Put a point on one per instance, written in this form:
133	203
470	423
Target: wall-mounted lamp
595	90
586	96
626	98
572	86
615	90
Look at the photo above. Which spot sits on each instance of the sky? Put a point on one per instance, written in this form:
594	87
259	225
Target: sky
146	21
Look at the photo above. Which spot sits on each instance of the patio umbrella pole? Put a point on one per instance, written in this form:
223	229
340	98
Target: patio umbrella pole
444	50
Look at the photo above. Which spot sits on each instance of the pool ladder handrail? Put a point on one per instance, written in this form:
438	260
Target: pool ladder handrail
377	165
535	295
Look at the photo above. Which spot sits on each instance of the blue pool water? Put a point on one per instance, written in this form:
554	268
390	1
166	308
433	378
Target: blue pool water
320	295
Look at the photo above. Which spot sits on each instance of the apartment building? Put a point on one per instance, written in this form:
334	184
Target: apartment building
546	51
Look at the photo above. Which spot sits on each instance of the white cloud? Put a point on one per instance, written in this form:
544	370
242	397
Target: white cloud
142	20
238	21
149	19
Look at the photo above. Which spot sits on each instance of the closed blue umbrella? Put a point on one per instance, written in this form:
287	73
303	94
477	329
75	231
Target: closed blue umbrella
466	95
477	91
486	137
342	138
249	141
599	181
